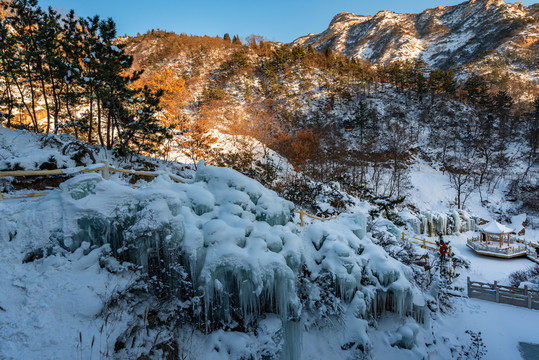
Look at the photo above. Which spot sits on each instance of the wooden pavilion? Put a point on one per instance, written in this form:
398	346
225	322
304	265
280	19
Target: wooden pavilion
497	231
489	236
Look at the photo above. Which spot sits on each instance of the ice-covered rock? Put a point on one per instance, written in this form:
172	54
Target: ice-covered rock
405	336
357	264
235	239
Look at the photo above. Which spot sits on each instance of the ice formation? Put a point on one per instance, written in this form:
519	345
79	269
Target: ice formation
430	223
234	237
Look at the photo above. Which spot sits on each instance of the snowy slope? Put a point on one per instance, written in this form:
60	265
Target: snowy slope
75	261
69	254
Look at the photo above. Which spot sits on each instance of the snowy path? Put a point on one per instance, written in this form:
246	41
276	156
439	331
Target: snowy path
502	326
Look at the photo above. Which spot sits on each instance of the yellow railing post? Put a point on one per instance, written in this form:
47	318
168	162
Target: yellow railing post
301	217
105	171
424	243
403	240
450	253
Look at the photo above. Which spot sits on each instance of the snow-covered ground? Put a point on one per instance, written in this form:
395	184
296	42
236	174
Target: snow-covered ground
502	326
432	191
49	305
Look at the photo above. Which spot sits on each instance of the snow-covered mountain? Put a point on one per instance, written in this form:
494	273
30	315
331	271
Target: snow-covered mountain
444	37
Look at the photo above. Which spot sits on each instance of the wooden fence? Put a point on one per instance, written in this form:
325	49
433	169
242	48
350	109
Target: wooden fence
532	255
425	244
303	213
504	294
105	170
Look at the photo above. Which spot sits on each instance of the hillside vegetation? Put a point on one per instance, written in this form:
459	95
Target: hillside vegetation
336	120
347	121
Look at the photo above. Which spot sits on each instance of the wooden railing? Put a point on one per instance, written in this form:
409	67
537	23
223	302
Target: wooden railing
474	243
523	297
425	244
532	255
303	213
105	170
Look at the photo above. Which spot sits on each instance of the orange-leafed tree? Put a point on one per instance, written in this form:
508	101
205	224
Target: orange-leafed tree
197	142
175	94
298	148
175	97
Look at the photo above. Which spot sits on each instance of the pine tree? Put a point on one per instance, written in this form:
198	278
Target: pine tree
174	98
7	56
23	23
531	127
419	81
138	126
226	37
502	104
53	69
476	90
328	53
449	83
236	40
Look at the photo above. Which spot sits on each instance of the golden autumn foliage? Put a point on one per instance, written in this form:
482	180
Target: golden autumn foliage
175	94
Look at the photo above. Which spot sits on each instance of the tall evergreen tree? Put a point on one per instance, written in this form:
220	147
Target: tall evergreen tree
7	63
72	45
476	90
236	40
53	69
23	23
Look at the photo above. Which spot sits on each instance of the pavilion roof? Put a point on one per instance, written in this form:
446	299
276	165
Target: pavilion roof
495	227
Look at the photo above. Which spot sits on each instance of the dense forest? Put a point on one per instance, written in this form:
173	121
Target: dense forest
65	74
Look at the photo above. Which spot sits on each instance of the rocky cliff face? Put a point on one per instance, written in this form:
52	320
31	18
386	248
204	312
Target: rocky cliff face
444	37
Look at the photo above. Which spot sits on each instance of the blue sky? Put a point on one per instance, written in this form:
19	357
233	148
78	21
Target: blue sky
279	20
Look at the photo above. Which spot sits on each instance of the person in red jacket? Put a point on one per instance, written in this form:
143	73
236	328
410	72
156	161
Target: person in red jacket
443	247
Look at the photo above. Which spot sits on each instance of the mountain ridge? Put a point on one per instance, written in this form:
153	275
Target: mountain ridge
444	37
